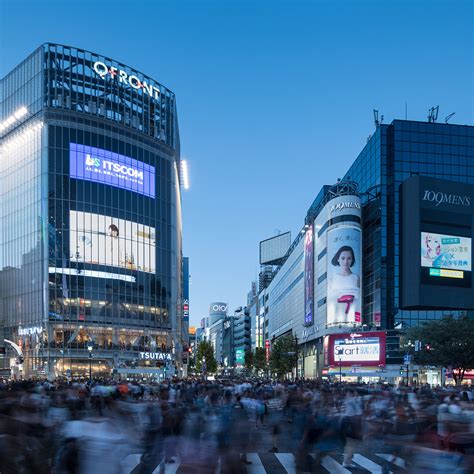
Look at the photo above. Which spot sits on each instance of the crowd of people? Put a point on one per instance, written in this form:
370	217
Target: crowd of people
115	427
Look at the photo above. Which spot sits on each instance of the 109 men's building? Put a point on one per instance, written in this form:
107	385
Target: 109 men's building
386	248
90	221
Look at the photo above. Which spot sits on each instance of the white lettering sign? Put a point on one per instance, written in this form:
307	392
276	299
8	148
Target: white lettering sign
357	350
30	331
155	356
219	308
443	198
133	81
340	206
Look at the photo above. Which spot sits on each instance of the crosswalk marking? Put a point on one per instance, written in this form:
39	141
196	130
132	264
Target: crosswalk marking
367	464
393	459
287	460
333	466
130	462
257	466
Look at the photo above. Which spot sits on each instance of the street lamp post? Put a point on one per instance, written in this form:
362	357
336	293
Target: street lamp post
340	370
89	348
296	357
203	368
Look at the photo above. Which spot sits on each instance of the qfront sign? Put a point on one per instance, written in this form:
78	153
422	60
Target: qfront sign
124	78
103	166
164	356
438	197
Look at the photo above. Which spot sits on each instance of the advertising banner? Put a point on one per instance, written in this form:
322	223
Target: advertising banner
104	240
344	250
240	357
446	251
365	349
103	166
308	277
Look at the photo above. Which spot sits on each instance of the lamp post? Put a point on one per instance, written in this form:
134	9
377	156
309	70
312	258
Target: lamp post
296	357
203	368
89	348
340	370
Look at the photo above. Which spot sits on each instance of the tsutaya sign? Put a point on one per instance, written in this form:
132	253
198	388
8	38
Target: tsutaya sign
155	355
124	78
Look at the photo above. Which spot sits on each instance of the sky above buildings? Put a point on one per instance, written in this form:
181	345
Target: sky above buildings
275	98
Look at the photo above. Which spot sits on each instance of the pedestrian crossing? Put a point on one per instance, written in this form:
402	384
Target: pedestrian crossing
279	463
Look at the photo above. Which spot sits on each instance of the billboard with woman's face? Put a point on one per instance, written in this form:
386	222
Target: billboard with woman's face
344	250
103	240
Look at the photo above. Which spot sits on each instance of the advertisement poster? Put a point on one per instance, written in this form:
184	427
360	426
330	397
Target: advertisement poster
343	274
308	277
446	251
103	166
365	349
104	240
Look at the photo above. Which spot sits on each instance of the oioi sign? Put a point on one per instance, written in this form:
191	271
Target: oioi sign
124	78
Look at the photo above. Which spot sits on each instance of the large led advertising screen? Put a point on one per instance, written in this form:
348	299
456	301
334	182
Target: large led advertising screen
365	349
273	250
308	277
104	240
343	275
103	166
450	252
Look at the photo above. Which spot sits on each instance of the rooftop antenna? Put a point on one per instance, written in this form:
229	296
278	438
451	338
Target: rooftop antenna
376	118
446	119
433	114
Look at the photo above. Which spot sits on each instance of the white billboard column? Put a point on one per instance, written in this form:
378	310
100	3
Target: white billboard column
344	261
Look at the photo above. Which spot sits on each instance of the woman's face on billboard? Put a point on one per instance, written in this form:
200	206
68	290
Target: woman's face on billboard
345	260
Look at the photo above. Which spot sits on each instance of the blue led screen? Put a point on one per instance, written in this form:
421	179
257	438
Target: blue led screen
103	166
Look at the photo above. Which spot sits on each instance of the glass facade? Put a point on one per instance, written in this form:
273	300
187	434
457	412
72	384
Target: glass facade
394	153
88	261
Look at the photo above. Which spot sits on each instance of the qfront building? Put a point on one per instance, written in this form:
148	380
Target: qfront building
386	248
90	218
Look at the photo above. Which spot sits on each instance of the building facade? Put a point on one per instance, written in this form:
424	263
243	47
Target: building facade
90	266
329	304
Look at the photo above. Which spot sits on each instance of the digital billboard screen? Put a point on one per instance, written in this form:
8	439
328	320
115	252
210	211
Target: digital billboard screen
446	259
102	166
446	251
104	240
343	275
365	349
274	249
308	276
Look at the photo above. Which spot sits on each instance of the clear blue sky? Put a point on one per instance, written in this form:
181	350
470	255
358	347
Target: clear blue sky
275	98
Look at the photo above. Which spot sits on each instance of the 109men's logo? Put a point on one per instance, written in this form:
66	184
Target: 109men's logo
439	197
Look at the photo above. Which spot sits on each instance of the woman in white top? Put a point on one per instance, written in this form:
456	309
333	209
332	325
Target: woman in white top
344	279
344	286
